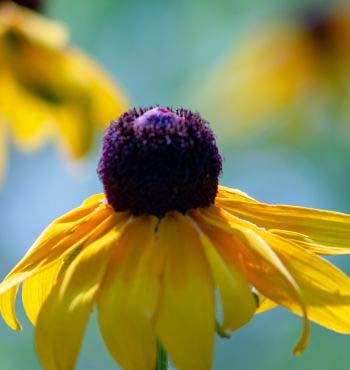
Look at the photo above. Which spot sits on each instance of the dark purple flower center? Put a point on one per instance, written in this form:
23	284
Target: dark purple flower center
318	24
31	4
155	160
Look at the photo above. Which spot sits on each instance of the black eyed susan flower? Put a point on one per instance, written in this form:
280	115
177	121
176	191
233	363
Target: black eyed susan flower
152	251
42	95
284	66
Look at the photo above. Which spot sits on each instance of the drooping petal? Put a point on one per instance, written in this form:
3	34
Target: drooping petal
238	302
36	289
263	267
307	243
8	308
63	316
323	232
129	296
64	254
324	288
185	321
64	228
59	235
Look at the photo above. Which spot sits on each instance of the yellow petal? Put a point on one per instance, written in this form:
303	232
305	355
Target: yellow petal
74	129
55	100
95	199
238	302
27	116
324	288
185	322
280	54
40	261
225	193
107	100
61	234
263	267
8	308
129	296
33	26
63	317
99	101
37	287
316	247
65	250
323	232
265	304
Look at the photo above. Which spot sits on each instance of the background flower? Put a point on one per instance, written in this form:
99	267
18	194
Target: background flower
50	90
284	66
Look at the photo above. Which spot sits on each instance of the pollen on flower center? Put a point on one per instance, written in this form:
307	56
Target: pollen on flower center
156	159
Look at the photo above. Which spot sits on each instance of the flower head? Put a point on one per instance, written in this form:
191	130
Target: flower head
158	160
153	269
50	90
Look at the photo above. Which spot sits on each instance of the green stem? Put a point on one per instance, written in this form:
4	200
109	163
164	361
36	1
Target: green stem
162	358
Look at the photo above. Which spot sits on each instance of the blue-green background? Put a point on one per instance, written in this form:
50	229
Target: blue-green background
157	49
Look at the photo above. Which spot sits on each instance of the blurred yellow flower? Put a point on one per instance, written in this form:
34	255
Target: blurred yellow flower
152	251
282	67
50	90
